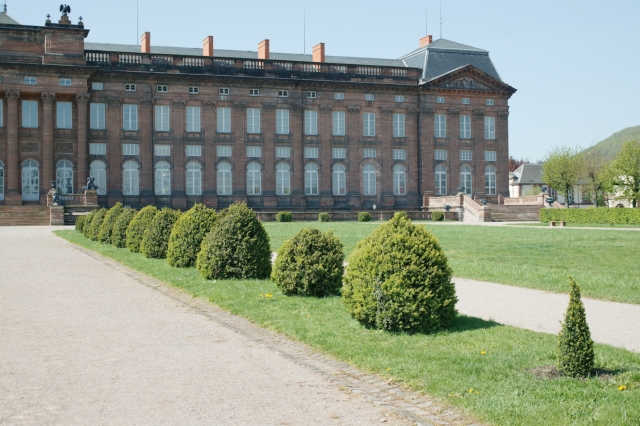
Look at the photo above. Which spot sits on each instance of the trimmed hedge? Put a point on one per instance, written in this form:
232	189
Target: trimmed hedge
437	216
324	217
139	223
104	236
87	223
310	264
398	279
187	235
80	222
96	222
284	217
364	217
236	247
156	236
119	231
592	215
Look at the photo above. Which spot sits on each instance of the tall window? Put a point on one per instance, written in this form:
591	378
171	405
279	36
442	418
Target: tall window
282	121
283	179
441	180
193	119
338	123
30	114
98	171
97	120
130	117
224	178
1	181
64	177
465	179
369	124
224	120
310	122
130	178
253	120
398	126
489	127
339	179
30	181
310	179
465	126
254	179
162	118
63	115
369	180
490	180
194	178
399	180
163	178
440	125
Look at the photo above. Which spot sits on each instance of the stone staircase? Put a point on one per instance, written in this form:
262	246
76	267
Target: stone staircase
24	215
502	213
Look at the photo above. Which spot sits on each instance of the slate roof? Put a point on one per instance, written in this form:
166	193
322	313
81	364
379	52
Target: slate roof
529	174
6	19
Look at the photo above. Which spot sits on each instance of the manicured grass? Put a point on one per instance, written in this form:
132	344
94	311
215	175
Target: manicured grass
580	225
446	365
604	264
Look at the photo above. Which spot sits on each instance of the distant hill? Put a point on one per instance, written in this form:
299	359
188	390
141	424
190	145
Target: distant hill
611	145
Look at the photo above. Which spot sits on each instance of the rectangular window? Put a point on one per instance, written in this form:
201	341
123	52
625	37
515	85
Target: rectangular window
65	82
441	154
254	151
29	80
98	149
282	121
311	153
63	115
194	90
466	155
489	156
162	118
223	91
339	153
193	119
97	112
338	123
162	150
490	102
254	92
310	122
283	93
129	87
223	150
194	150
283	152
439	99
224	120
489	127
398	126
399	98
369	153
161	88
465	126
399	154
369	121
311	95
97	86
369	97
129	117
253	120
30	114
338	96
440	125
130	149
465	101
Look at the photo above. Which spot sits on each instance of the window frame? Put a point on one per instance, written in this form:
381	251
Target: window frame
162	118
129	87
224	151
193	124
399	180
399	154
224	178
130	124
489	128
282	150
311	179
97	116
64	115
399	127
31	108
223	120
369	124
312	95
311	152
65	81
252	150
334	151
253	121
193	179
465	127
310	122
282	122
162	150
254	179
162	88
192	150
130	149
440	125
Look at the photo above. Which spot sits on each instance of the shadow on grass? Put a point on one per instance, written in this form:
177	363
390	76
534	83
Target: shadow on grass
464	323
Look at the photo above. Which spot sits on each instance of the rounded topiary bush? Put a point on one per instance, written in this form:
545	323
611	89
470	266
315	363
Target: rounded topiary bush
87	223
236	247
187	235
80	223
284	217
364	217
104	236
437	215
156	236
324	217
119	231
310	264
96	222
398	279
136	228
575	347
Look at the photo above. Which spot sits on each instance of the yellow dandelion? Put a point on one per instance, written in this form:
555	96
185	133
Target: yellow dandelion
623	387
470	390
388	368
483	353
477	393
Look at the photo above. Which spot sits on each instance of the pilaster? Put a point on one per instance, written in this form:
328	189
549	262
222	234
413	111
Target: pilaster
12	193
48	170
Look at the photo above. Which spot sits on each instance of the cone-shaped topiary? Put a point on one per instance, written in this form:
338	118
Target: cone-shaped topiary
187	234
398	279
236	247
156	236
575	347
80	223
96	222
104	236
87	223
310	264
119	231
136	228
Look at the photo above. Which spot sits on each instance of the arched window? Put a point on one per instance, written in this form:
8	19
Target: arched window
339	180
64	177
490	180
310	179
441	180
194	178
163	178
254	179
399	180
98	171
130	178
283	179
369	180
1	181
224	178
465	179
30	181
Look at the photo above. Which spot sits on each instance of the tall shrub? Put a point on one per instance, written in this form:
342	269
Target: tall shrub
119	231
156	236
80	223
138	224
96	222
236	247
104	236
87	223
187	234
575	347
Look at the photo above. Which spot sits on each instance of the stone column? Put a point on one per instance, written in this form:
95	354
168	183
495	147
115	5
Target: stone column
12	193
145	129
453	129
325	129
502	135
177	120
209	188
82	99
239	127
48	170
354	131
414	199
385	157
426	151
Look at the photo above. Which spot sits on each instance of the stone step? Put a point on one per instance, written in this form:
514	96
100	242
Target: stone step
24	215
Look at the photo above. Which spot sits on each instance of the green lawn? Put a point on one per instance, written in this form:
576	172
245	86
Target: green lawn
604	264
446	365
580	225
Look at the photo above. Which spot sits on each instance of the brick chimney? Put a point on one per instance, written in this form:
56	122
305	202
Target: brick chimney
207	46
425	41
263	49
145	43
318	52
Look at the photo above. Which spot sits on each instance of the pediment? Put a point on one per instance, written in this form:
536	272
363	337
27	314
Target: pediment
469	78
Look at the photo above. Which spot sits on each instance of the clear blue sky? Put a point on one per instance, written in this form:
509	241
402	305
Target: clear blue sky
576	64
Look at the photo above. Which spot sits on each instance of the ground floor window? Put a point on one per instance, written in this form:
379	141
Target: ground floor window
30	181
399	180
254	179
310	179
283	179
465	179
64	177
339	180
194	178
490	180
98	171
369	180
130	178
224	178
163	178
441	180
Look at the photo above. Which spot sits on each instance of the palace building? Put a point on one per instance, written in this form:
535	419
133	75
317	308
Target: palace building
175	126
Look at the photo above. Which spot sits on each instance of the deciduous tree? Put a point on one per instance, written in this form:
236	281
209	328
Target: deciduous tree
625	172
561	170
